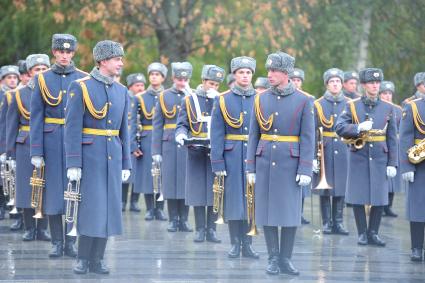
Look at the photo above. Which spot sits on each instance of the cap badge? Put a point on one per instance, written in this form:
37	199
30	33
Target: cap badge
376	75
66	45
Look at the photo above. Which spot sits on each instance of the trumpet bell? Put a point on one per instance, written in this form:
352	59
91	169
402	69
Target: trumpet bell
73	232
253	231
323	185
38	215
219	221
160	198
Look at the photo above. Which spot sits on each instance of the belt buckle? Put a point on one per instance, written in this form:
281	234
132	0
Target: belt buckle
274	138
108	133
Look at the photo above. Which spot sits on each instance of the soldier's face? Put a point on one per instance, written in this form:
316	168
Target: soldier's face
112	67
243	77
372	88
351	85
37	69
63	57
156	78
208	84
386	96
277	78
334	86
137	87
180	83
421	88
24	78
11	81
297	82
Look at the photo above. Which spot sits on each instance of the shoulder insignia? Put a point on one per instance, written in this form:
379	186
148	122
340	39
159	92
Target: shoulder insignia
83	79
141	93
225	92
306	93
81	71
319	99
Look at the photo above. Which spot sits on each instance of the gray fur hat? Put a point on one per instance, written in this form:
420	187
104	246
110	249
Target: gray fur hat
135	78
158	67
212	73
297	73
22	65
387	85
181	70
242	62
64	42
9	70
419	78
371	75
331	73
37	59
107	49
230	79
280	61
350	75
262	82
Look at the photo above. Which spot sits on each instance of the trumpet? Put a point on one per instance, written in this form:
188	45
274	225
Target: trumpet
323	183
157	181
11	188
37	182
360	141
416	154
218	205
250	204
72	197
4	174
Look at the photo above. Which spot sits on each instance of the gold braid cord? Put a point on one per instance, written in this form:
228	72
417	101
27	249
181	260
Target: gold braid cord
353	110
189	115
144	111
97	114
47	96
419	123
262	122
24	112
231	121
168	114
8	98
325	122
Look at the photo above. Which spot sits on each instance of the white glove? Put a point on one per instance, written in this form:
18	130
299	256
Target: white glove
391	171
74	174
315	166
12	164
37	161
250	177
303	180
180	138
157	158
365	126
408	176
125	174
3	157
212	93
221	173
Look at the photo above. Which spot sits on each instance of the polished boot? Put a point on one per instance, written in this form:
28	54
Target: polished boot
337	215
42	232
159	211
183	212
325	207
199	223
124	195
363	239
97	264
29	234
211	236
211	226
2	212
134	202
417	240
388	208
374	223
29	225
247	250
18	224
56	249
84	250
199	235
416	254
287	240
173	224
172	215
70	248
272	241
149	201
81	267
56	231
361	223
235	241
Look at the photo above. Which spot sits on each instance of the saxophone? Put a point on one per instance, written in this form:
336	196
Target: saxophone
416	154
218	205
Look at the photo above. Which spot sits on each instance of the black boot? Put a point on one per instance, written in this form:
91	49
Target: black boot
42	232
56	249
18	224
173	215
388	208
84	250
159	211
97	264
416	254
124	195
70	248
360	217
235	241
29	225
212	236
56	230
29	234
247	250
287	240
199	224
417	240
272	242
374	223
150	213
183	212
337	215
325	206
134	204
2	212
211	226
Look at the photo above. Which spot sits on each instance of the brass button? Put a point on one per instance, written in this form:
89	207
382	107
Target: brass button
276	113
335	139
370	158
64	76
245	112
110	103
336	151
275	130
246	128
335	115
110	157
274	146
278	97
109	122
370	145
245	144
109	139
273	163
64	91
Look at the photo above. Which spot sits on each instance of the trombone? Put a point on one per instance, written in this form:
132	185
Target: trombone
218	205
72	196
157	181
250	204
323	183
37	182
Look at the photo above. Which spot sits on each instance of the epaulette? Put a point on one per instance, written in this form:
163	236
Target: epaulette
84	72
261	92
141	93
83	79
225	92
413	100
306	93
355	99
409	99
42	72
318	99
389	103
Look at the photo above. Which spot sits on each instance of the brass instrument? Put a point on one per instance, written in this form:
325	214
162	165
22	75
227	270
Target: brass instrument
416	153
37	182
72	197
323	183
11	188
250	204
4	177
157	181
218	205
360	141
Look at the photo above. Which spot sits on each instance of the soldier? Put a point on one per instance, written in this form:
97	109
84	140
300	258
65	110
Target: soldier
261	84
419	81
351	79
327	109
230	80
297	77
136	84
98	152
24	75
386	92
166	151
280	159
199	176
370	166
142	140
48	103
229	139
18	148
413	132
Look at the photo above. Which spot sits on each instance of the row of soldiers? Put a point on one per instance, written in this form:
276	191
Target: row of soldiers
266	137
